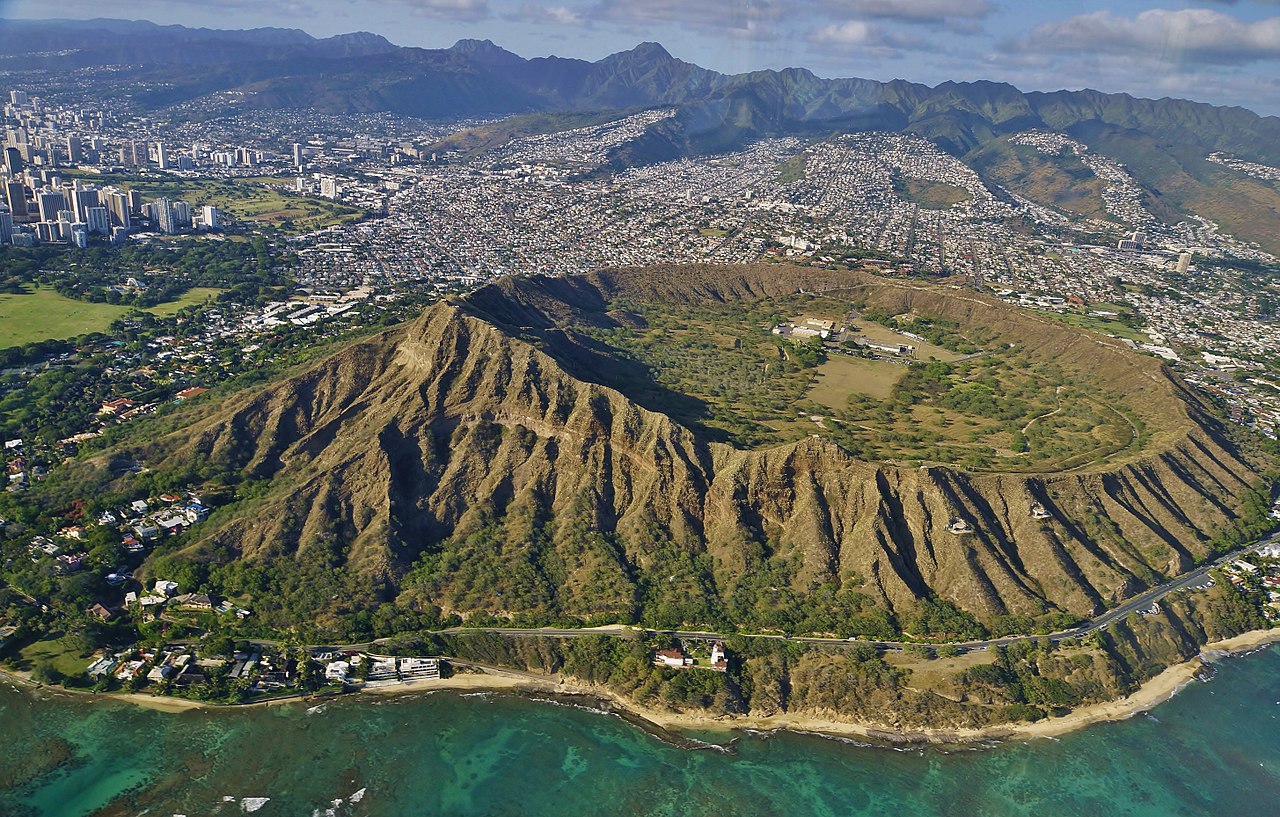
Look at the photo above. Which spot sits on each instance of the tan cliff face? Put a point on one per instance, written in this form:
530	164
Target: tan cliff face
493	408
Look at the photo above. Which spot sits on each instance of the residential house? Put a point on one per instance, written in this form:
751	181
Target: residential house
673	657
419	668
165	588
192	601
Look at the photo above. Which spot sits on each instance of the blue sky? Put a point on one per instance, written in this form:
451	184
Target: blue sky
1220	51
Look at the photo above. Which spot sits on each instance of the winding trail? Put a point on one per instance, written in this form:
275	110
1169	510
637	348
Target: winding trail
1057	398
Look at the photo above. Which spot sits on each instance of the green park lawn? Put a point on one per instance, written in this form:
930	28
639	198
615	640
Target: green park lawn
192	297
59	652
43	314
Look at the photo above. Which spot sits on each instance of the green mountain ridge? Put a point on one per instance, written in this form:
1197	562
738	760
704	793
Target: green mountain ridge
1164	142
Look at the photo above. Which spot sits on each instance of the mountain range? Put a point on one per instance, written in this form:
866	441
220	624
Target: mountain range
1163	143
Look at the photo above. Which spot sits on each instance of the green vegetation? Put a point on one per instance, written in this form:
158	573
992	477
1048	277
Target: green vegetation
1180	179
1062	181
942	334
167	269
930	195
745	382
63	656
1123	325
43	314
53	293
264	201
793	169
473	140
1000	411
715	366
192	297
843	375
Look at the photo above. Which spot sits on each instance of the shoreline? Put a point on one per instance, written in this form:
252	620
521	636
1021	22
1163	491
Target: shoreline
669	726
1152	693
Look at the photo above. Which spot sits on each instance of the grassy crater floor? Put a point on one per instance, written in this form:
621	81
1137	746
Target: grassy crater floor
959	400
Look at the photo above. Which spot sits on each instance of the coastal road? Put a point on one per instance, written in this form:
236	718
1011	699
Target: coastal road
1143	601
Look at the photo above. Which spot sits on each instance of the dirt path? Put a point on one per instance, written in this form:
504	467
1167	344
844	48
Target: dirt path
1057	398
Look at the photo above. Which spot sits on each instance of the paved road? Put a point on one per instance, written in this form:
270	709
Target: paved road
1142	601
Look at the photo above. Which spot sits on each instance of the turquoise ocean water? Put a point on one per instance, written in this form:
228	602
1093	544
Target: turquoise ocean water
1213	750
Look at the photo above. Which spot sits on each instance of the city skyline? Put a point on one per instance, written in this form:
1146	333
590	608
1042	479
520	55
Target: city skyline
1224	52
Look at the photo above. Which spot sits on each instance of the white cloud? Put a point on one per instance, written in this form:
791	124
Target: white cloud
1188	35
723	13
469	10
739	19
850	32
911	11
861	35
553	15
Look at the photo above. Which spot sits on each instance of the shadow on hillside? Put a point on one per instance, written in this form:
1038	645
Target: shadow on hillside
591	360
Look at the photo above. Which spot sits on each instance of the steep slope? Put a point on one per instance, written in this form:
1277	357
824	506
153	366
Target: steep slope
486	459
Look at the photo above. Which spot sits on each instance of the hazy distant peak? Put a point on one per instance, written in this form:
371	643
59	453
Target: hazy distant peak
361	37
649	51
485	52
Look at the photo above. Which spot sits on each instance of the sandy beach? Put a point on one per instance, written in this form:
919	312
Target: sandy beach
1154	692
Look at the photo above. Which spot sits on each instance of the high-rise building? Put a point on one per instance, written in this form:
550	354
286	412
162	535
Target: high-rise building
75	149
117	202
297	155
162	156
18	98
97	221
82	198
78	235
181	214
6	228
164	217
211	217
13	160
1184	262
49	203
185	163
135	154
135	201
16	194
329	187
